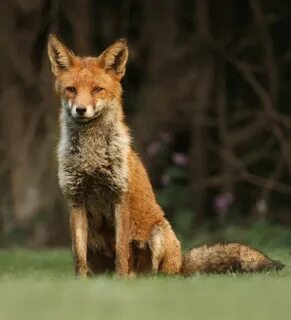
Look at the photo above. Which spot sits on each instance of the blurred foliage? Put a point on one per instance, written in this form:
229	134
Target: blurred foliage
260	235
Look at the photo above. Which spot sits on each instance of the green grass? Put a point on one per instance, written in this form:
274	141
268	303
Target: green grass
41	285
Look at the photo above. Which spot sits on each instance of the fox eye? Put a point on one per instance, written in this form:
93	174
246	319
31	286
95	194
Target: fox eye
97	89
71	89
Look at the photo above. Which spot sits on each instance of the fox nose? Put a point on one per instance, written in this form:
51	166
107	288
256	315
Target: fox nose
81	110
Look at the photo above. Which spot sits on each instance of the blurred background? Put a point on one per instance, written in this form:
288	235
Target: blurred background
207	95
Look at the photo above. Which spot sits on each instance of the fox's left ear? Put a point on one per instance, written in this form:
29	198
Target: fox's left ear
114	58
60	56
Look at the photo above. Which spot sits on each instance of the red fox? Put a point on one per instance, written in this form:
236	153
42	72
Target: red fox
116	223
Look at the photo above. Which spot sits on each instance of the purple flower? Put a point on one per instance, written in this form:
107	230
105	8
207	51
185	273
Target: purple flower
180	159
153	148
222	202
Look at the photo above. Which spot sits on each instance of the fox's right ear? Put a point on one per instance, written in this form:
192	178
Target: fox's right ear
60	56
114	58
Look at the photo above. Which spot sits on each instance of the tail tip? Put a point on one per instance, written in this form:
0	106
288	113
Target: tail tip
278	265
273	265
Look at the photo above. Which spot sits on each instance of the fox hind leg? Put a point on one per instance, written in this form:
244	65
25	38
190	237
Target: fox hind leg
156	245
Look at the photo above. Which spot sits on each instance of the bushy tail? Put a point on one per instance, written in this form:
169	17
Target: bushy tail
231	257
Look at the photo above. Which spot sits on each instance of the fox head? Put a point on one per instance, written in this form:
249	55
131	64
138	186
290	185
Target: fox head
88	86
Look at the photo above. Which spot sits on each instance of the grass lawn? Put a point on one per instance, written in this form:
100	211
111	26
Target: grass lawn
40	285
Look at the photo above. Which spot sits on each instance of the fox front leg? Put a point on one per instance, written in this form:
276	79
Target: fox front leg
122	239
79	234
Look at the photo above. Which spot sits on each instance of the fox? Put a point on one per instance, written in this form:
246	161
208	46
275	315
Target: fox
115	221
114	216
